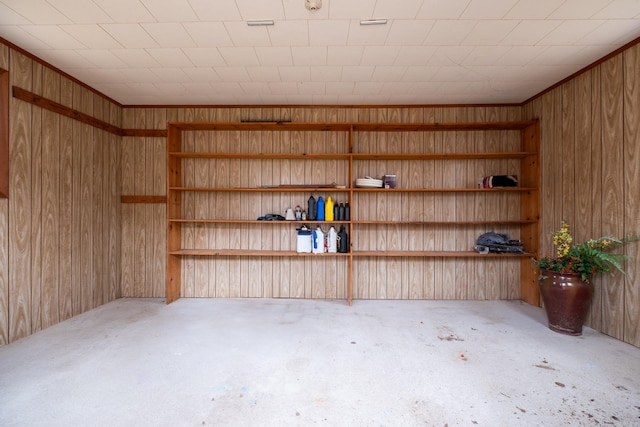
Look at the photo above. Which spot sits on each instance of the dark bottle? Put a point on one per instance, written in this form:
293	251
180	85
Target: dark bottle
347	212
341	212
312	209
336	212
343	240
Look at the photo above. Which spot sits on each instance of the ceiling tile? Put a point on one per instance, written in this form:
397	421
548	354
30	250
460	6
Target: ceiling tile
519	55
569	32
404	32
232	74
169	34
294	74
201	74
23	39
289	33
328	33
9	17
255	88
92	36
415	55
131	36
357	74
243	35
339	88
125	11
487	9
81	12
367	34
614	33
208	34
530	32
309	55
366	87
283	88
274	56
38	12
619	9
295	9
418	74
379	55
311	88
387	73
101	58
264	74
527	9
344	55
239	56
394	9
489	32
218	10
138	75
251	10
578	9
65	58
53	36
485	55
204	57
170	57
352	9
170	11
438	9
136	58
449	33
170	75
326	74
449	56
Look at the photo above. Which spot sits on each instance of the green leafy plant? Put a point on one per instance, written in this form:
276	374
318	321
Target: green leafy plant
588	258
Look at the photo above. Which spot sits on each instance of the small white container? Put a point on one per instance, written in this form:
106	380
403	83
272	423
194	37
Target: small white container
318	241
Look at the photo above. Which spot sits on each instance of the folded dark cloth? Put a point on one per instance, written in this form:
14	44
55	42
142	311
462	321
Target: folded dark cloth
493	181
271	217
500	243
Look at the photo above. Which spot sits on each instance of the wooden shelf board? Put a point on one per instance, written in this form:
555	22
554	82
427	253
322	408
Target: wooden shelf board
254	221
249	253
436	254
355	222
417	127
261	156
262	126
442	156
443	190
264	189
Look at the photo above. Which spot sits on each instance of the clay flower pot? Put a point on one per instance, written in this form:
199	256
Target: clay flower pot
566	299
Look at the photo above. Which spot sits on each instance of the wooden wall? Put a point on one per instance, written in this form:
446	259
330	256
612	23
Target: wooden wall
144	234
590	150
60	227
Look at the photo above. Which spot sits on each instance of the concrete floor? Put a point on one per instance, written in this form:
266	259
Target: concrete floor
267	362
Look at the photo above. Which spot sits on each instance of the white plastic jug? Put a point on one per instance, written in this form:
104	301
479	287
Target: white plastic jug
304	240
332	240
318	241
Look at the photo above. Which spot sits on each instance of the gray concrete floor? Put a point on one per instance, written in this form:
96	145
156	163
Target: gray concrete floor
268	362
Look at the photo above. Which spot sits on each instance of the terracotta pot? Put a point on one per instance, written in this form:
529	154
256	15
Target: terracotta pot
566	299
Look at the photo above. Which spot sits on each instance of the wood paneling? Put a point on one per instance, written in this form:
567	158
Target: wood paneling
590	154
631	309
48	227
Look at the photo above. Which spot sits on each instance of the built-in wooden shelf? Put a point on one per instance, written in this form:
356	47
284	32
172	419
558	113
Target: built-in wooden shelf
247	138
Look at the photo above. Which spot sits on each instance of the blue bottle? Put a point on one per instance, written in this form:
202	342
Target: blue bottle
320	209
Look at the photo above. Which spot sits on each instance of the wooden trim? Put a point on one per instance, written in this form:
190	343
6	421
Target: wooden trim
47	104
4	134
40	101
143	199
151	133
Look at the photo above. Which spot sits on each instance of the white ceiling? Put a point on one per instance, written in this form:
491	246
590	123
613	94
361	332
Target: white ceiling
180	52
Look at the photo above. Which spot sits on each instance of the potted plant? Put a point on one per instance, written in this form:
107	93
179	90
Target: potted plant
564	280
